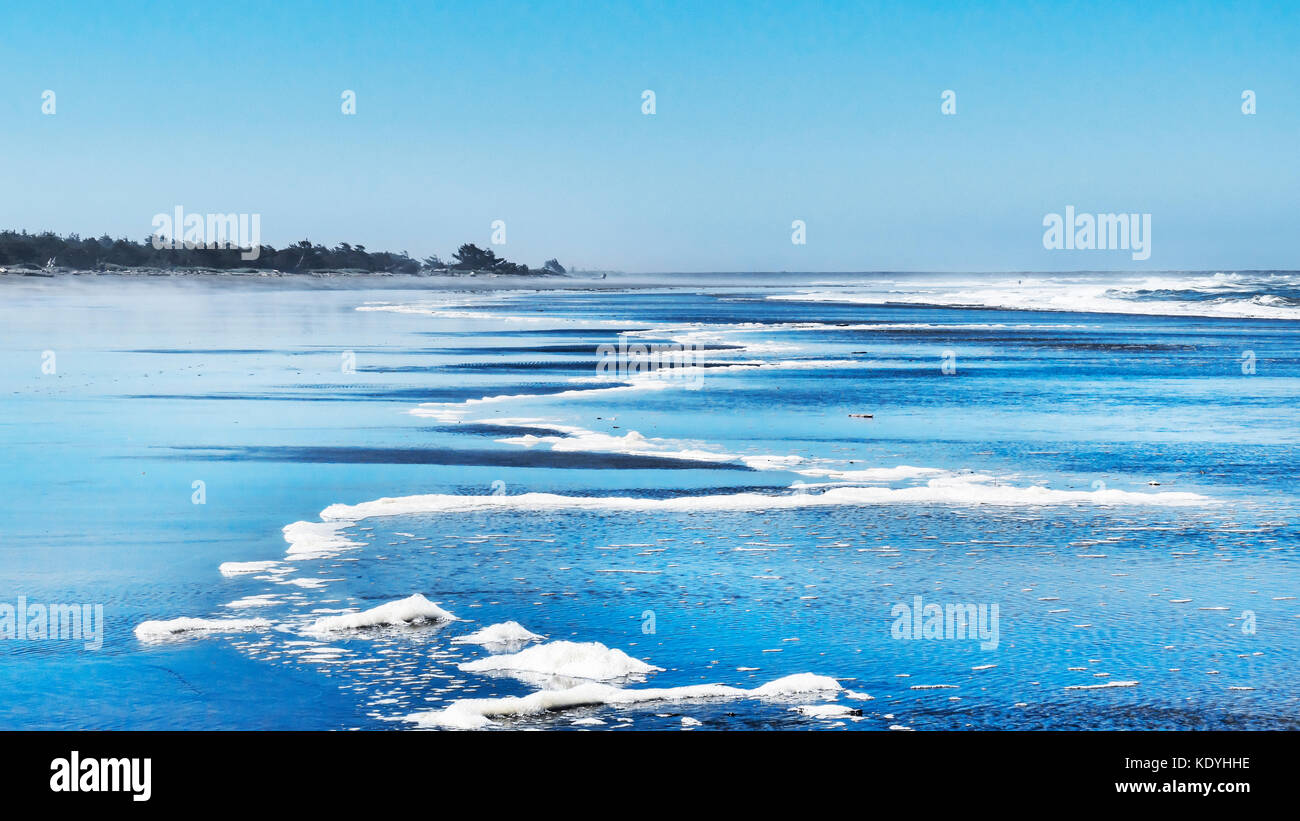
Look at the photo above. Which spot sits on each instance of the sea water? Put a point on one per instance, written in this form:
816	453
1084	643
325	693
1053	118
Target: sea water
1100	470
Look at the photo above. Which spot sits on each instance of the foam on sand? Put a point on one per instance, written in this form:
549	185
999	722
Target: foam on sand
475	713
411	610
453	411
262	600
652	381
506	633
797	684
826	710
632	443
958	490
239	568
316	539
570	438
569	659
176	628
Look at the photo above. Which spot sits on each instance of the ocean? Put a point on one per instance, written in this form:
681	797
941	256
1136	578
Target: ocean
803	501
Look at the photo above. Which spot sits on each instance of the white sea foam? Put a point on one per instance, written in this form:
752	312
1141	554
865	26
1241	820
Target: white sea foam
238	568
571	438
681	377
969	490
1105	686
826	710
453	411
316	539
310	584
263	600
797	684
601	664
469	714
567	659
506	633
452	308
632	443
723	333
411	610
175	628
1229	295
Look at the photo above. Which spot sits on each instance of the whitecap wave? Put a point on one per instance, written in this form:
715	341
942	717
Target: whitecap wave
1221	295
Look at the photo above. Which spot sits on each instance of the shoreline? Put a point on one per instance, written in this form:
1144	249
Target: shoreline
323	279
884	285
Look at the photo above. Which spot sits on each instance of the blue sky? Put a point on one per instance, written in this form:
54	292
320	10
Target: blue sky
766	113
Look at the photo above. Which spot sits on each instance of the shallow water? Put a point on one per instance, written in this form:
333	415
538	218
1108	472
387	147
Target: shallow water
283	401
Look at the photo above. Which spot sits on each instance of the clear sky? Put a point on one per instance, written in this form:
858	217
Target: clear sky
531	113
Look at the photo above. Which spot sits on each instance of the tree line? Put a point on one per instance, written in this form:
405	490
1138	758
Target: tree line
50	250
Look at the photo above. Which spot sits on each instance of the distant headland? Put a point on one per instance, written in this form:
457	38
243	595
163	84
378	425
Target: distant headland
47	253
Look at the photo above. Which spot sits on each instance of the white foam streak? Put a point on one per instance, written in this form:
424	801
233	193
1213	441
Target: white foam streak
411	610
453	411
966	490
472	714
240	568
1232	296
316	539
153	631
506	633
568	659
